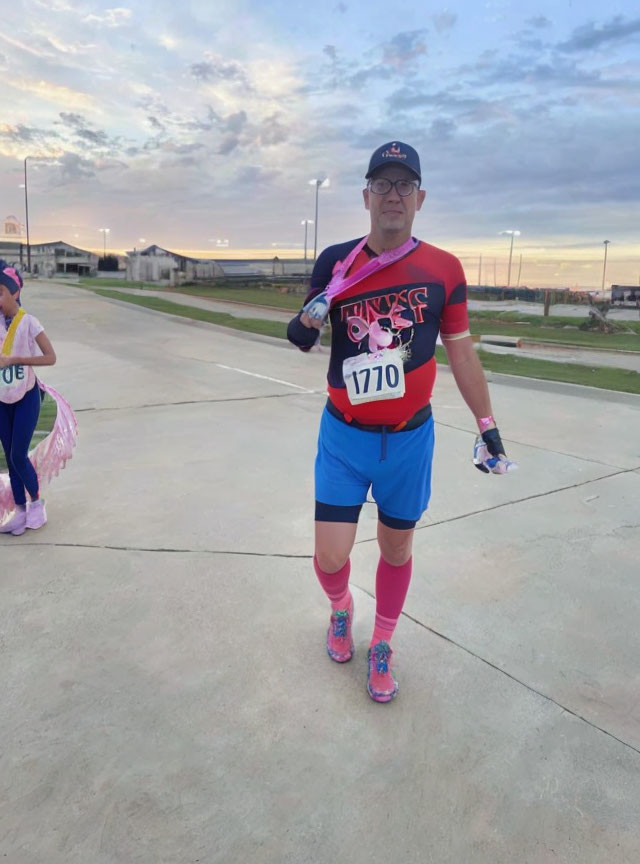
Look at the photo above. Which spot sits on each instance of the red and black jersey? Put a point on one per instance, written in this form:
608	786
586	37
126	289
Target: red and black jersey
415	298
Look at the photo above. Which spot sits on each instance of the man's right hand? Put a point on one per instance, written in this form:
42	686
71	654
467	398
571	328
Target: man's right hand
311	322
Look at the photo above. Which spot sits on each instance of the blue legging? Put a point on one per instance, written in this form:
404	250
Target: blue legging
17	424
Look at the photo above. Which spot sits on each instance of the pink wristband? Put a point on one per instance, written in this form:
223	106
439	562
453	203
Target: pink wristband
485	422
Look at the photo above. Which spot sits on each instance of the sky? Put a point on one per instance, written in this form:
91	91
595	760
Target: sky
198	125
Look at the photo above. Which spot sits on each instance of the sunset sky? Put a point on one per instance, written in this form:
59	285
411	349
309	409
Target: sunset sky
198	125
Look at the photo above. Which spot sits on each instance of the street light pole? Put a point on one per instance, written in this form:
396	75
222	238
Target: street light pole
317	183
315	232
26	211
513	235
604	266
306	223
104	231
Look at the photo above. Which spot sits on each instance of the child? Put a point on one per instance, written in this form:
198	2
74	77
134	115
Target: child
23	345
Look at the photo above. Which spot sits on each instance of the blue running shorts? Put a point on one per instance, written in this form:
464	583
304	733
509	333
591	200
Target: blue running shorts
397	469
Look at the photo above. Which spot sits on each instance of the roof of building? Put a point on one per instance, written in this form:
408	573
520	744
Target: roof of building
63	243
151	250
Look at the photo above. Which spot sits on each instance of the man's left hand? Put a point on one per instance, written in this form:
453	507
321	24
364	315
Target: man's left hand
488	454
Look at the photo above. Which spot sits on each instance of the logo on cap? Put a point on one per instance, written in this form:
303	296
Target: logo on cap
394	152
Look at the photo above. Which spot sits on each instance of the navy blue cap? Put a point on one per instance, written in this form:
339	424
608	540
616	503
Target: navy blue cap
395	153
10	278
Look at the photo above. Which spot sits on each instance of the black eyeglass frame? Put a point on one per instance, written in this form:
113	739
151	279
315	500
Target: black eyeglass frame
393	184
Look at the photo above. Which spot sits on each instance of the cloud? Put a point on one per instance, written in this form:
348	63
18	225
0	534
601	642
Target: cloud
228	145
214	67
404	48
73	167
97	140
444	21
256	175
590	36
273	132
330	51
235	122
539	22
21	141
112	17
57	94
443	129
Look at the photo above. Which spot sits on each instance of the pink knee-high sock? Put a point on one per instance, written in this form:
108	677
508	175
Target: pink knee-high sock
335	585
392	584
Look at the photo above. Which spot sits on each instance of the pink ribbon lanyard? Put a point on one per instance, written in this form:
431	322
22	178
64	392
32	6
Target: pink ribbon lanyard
340	282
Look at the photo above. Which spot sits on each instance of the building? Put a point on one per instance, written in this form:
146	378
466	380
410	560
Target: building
625	294
54	259
285	267
12	247
155	264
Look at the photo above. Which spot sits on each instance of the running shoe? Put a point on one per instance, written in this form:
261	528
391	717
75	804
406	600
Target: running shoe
339	639
16	525
381	684
36	514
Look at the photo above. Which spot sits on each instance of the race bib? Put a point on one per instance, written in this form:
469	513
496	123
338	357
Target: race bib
10	375
372	376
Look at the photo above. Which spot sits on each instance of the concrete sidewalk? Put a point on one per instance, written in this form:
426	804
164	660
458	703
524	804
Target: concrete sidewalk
167	695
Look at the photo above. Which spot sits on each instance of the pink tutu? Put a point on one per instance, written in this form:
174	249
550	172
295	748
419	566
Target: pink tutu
52	453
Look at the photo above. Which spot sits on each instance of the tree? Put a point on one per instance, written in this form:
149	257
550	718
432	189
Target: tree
109	263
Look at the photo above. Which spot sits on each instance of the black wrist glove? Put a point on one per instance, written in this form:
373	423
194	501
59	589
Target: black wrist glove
493	441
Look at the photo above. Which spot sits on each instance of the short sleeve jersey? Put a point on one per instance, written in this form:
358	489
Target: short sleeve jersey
415	298
24	345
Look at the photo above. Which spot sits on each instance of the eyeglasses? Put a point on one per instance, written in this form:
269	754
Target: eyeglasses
382	186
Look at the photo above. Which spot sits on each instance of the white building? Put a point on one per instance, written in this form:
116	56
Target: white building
11	229
53	259
155	264
12	247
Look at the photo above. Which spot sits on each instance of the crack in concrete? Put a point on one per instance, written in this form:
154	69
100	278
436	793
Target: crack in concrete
433	631
161	549
540	447
516	501
406	615
519	681
191	402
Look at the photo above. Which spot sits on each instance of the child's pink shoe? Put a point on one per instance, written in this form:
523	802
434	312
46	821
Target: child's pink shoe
381	685
339	641
16	525
36	514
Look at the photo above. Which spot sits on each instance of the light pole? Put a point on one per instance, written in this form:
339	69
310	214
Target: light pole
513	234
26	212
317	183
104	232
604	266
306	223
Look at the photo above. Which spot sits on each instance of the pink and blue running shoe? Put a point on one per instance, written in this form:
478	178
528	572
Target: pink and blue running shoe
381	683
339	640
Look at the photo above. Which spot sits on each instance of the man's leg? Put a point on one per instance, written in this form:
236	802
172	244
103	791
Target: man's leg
341	490
334	542
392	579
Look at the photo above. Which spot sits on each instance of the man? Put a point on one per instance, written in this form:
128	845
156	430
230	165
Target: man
388	299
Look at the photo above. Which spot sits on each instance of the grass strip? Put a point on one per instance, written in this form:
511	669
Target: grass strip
572	337
105	282
573	373
251	296
603	377
159	304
